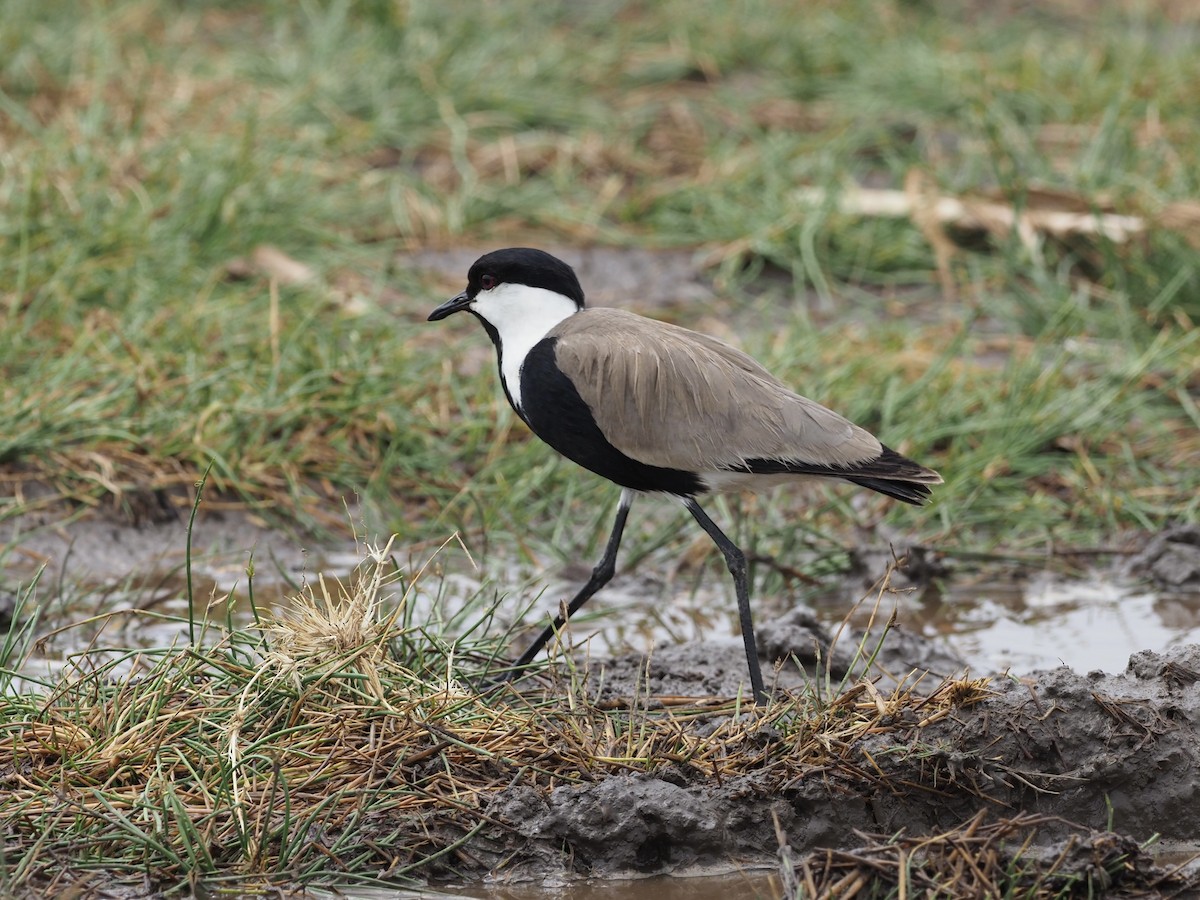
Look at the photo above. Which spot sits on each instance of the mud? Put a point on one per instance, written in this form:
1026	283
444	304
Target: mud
98	548
1171	558
1092	748
803	649
1103	751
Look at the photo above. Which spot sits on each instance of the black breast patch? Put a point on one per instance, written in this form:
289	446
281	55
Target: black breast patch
558	415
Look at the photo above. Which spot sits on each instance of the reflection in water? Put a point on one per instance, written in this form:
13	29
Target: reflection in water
739	885
1086	625
1042	623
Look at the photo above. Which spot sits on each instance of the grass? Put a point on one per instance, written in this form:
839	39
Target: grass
150	151
149	148
341	742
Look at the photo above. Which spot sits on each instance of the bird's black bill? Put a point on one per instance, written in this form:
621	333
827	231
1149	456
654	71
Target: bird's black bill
453	305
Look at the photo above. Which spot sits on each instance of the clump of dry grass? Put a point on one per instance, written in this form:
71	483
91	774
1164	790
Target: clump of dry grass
984	857
346	630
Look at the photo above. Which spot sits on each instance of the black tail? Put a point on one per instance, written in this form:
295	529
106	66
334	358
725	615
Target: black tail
909	491
889	473
897	476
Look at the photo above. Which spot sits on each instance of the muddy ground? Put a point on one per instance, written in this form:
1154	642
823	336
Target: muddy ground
1088	751
1106	752
1103	751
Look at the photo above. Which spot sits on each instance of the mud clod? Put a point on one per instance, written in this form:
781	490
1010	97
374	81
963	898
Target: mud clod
1081	747
656	825
1171	558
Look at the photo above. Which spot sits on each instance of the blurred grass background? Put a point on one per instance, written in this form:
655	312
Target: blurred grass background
208	215
220	226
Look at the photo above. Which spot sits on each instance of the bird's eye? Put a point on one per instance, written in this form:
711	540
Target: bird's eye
487	282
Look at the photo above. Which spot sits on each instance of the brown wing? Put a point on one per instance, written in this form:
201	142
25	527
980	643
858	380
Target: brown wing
671	397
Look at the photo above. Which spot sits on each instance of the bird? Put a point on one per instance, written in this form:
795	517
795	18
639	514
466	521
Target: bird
659	409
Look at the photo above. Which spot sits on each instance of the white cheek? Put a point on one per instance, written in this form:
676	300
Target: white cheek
521	316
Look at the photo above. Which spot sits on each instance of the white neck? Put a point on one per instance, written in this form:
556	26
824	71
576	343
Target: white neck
521	316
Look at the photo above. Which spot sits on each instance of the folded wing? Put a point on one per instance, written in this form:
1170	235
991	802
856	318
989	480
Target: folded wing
671	397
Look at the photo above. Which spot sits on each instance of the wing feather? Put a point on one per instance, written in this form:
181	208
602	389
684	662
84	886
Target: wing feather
671	397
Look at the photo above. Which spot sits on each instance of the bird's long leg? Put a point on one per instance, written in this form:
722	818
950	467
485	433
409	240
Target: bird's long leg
601	575
736	560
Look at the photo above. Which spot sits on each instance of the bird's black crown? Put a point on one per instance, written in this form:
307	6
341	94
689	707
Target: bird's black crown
528	266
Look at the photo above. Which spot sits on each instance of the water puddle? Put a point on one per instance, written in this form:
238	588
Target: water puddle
1042	622
748	885
1086	625
700	887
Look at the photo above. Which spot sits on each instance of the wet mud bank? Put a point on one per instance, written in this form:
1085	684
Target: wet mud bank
1065	753
1068	764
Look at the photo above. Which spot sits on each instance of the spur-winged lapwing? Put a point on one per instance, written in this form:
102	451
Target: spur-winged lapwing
658	408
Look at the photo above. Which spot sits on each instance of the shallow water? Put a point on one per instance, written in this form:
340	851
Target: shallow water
1042	621
701	887
726	886
1086	625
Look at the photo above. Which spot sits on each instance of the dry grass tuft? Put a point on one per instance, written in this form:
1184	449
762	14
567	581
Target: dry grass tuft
346	630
